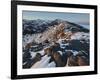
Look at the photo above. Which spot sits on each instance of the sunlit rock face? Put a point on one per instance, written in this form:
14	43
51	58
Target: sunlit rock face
55	43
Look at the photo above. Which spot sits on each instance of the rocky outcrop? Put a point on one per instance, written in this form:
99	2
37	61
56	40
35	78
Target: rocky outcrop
55	56
58	59
52	33
48	51
72	61
31	62
78	60
64	35
82	61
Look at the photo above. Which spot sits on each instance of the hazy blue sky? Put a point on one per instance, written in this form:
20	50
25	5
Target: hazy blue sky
73	17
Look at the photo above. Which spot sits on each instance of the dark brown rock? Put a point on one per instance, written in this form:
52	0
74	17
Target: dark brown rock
48	51
82	61
69	53
72	61
58	59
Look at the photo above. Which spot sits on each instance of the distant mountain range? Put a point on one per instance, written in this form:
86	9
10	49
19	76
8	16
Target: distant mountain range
38	26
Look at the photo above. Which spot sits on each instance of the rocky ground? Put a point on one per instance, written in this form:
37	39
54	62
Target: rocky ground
56	44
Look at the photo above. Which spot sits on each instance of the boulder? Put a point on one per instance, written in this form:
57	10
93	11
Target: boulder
38	57
72	61
82	61
69	53
78	60
58	59
82	58
48	51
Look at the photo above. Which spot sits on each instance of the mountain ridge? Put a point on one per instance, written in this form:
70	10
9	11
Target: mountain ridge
38	26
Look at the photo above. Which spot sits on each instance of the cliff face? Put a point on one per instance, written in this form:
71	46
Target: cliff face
55	43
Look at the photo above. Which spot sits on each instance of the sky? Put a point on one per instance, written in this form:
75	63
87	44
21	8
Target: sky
81	18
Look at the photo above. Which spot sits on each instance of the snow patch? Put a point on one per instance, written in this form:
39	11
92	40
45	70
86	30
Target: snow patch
73	51
33	54
60	52
42	63
52	64
41	52
80	36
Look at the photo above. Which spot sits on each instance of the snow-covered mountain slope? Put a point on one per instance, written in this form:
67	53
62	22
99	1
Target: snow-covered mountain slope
54	44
